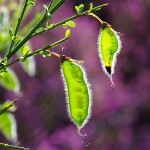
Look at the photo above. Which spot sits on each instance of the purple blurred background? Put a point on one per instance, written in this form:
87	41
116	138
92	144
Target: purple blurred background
120	118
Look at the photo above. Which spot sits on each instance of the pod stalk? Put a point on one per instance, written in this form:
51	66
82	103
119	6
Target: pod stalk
55	54
104	24
91	14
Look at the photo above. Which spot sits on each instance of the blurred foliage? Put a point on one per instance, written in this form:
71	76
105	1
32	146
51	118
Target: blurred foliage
8	124
10	81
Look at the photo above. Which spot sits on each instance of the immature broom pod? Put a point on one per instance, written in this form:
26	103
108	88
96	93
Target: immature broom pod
78	93
109	45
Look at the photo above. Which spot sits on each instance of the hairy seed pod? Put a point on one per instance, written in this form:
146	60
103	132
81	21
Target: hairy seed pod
78	93
109	46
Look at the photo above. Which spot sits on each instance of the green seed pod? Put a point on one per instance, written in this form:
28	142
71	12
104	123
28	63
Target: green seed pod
109	44
78	93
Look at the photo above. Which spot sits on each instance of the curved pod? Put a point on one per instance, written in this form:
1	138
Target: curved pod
78	95
109	46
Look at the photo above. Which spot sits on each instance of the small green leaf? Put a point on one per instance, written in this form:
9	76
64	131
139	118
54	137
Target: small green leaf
71	24
13	38
11	33
64	26
40	29
32	3
46	25
77	8
90	7
50	26
5	60
26	50
8	126
28	64
10	81
81	7
98	8
67	34
45	53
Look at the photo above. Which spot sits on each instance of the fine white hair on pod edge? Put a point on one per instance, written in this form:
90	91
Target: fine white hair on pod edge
117	52
67	98
99	53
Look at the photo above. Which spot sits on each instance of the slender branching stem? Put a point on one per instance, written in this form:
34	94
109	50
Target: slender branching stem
19	22
11	146
29	35
41	21
38	51
68	19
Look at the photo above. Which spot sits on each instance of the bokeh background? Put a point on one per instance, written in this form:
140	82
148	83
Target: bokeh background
120	118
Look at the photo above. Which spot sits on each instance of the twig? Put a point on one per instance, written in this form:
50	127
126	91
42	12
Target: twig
29	35
69	19
38	51
11	146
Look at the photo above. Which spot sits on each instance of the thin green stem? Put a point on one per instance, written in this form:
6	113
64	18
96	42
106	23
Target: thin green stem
71	18
32	34
11	146
7	107
38	51
19	22
29	35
